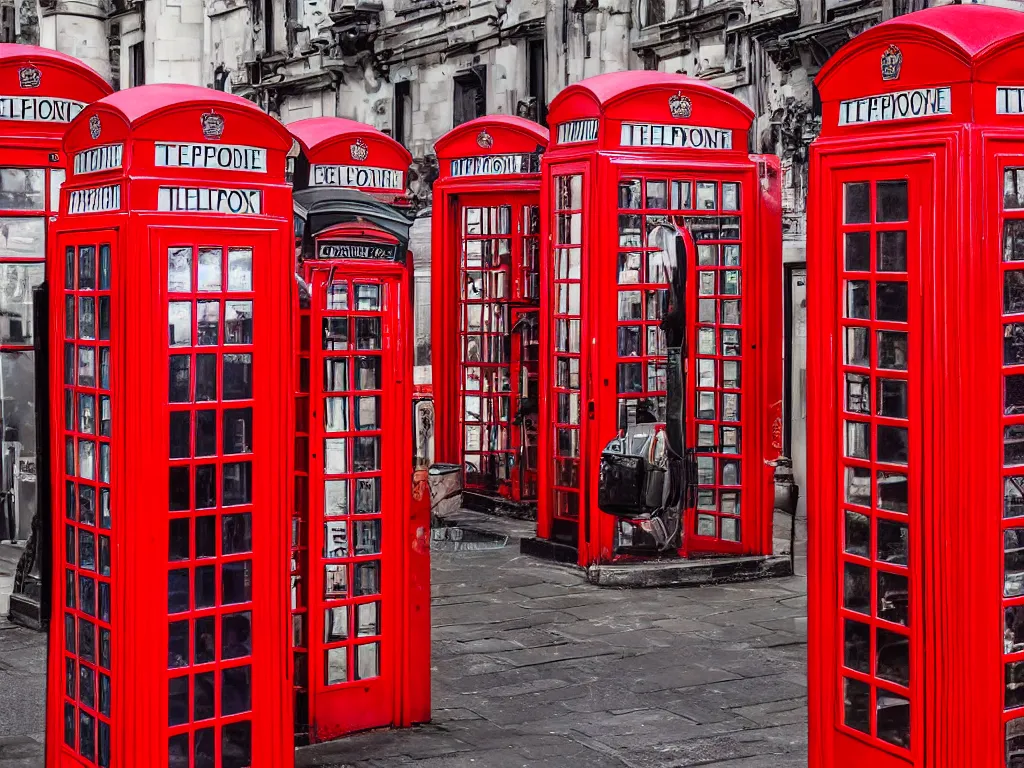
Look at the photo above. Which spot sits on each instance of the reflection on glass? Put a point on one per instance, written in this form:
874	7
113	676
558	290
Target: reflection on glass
893	598
16	284
858	442
1013	496
893	444
858	251
22	189
892	204
336	665
858	299
856	347
179	270
367	661
209	278
179	323
335	498
892	350
858	486
892	542
23	237
892	715
1013	562
238	322
858	534
892	251
891	301
239	270
857	646
336	539
857	588
856	203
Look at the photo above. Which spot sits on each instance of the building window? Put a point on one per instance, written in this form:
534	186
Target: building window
402	126
652	12
136	65
470	97
735	50
536	76
268	26
8	29
114	55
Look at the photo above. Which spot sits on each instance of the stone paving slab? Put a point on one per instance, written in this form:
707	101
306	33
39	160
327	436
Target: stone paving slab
535	668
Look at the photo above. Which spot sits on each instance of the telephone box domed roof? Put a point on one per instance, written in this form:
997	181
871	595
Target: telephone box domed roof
612	87
316	132
955	34
15	54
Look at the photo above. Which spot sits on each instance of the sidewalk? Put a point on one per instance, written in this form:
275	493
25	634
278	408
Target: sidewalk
534	668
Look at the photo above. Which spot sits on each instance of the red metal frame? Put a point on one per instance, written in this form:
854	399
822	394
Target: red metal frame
33	161
948	650
360	568
196	438
602	234
485	268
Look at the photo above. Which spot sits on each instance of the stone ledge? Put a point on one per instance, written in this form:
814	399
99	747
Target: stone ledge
498	506
690	573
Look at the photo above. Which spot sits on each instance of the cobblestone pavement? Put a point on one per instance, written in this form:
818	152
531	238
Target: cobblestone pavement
532	667
22	696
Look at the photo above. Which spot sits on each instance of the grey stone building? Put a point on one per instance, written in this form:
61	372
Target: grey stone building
416	68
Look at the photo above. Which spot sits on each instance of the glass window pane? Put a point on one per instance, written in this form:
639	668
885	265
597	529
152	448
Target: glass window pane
179	321
179	270
239	269
336	665
22	189
238	322
858	251
23	236
18	281
892	203
209	277
892	251
856	203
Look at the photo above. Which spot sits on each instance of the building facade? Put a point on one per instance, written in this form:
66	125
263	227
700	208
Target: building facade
417	68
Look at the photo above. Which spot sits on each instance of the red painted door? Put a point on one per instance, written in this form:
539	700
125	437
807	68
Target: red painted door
357	380
498	252
880	242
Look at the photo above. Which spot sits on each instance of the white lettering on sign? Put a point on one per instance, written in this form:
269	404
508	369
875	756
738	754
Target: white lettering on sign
577	131
224	157
676	136
496	165
900	105
203	200
95	199
357	176
41	109
98	159
1010	101
356	251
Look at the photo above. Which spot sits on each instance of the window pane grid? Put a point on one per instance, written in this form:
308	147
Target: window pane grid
351	467
1012	276
567	292
210	564
875	587
87	550
716	227
498	264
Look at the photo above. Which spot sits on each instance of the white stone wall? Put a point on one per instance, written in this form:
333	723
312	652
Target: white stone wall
174	41
80	32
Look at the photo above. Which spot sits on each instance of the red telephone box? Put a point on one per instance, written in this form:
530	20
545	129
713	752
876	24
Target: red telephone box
361	550
485	297
170	404
41	91
340	153
642	161
915	399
